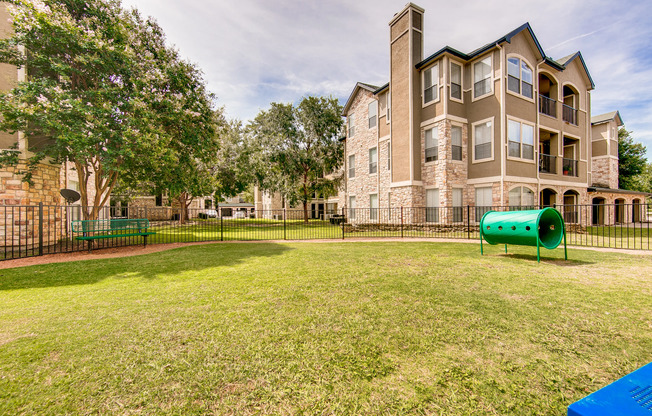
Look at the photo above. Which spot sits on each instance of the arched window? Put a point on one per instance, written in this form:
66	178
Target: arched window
519	77
521	197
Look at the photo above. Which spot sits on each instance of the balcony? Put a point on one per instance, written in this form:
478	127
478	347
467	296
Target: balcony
547	106
569	167
569	114
547	163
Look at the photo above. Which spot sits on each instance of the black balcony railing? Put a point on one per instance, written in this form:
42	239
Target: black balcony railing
569	167
569	114
547	163
547	106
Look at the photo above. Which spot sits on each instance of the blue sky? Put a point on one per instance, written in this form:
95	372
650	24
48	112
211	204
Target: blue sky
254	52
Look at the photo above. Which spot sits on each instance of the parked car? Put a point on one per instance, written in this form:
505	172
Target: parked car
209	213
239	214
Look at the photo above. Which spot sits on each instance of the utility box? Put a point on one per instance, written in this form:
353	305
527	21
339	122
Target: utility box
629	396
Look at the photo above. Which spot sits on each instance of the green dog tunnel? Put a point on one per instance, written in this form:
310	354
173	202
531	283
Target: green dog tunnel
537	227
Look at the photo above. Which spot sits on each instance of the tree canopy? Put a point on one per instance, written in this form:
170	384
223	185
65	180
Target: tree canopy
631	161
107	92
297	149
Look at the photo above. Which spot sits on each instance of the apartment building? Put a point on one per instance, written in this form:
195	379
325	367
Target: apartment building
503	125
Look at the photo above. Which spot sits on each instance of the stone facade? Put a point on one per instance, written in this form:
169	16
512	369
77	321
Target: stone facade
19	203
605	172
514	119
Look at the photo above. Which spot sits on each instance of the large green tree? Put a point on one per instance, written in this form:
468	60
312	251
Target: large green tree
631	161
298	149
104	88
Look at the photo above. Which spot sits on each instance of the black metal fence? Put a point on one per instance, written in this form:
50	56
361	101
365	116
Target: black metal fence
37	230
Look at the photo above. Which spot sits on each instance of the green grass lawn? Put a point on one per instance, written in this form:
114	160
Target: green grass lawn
338	328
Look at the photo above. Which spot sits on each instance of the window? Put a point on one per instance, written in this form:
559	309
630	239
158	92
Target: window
389	105
208	204
352	207
373	114
430	84
521	140
74	185
482	77
483	202
432	149
389	156
482	137
456	81
432	205
521	198
159	200
458	211
373	207
519	77
373	160
389	205
352	166
456	142
351	125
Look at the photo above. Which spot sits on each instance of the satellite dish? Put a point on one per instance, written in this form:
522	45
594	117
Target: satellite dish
71	196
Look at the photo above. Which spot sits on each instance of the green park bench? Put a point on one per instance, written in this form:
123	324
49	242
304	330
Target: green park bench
102	229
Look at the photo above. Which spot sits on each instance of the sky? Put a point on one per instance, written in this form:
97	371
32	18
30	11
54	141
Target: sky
254	52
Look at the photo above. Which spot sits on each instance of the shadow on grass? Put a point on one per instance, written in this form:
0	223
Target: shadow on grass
548	260
148	266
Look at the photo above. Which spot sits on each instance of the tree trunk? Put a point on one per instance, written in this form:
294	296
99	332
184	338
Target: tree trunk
184	206
103	187
305	198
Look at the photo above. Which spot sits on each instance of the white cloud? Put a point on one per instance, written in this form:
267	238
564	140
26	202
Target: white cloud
254	52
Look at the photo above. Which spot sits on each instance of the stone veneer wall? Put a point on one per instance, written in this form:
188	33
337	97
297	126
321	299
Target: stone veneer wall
19	201
363	184
145	207
605	172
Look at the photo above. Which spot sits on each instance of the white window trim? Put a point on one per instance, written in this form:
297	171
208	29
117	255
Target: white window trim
520	80
450	72
423	86
374	103
377	208
461	126
389	107
535	140
461	188
432	162
534	196
350	124
493	140
369	161
348	166
491	78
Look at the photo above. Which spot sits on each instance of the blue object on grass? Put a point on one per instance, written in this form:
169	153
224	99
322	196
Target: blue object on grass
629	396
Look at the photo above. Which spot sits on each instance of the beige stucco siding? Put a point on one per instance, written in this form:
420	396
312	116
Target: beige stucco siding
400	126
599	148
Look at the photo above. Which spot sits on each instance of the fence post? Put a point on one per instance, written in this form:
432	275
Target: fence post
401	221
343	221
40	228
468	221
221	227
285	231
